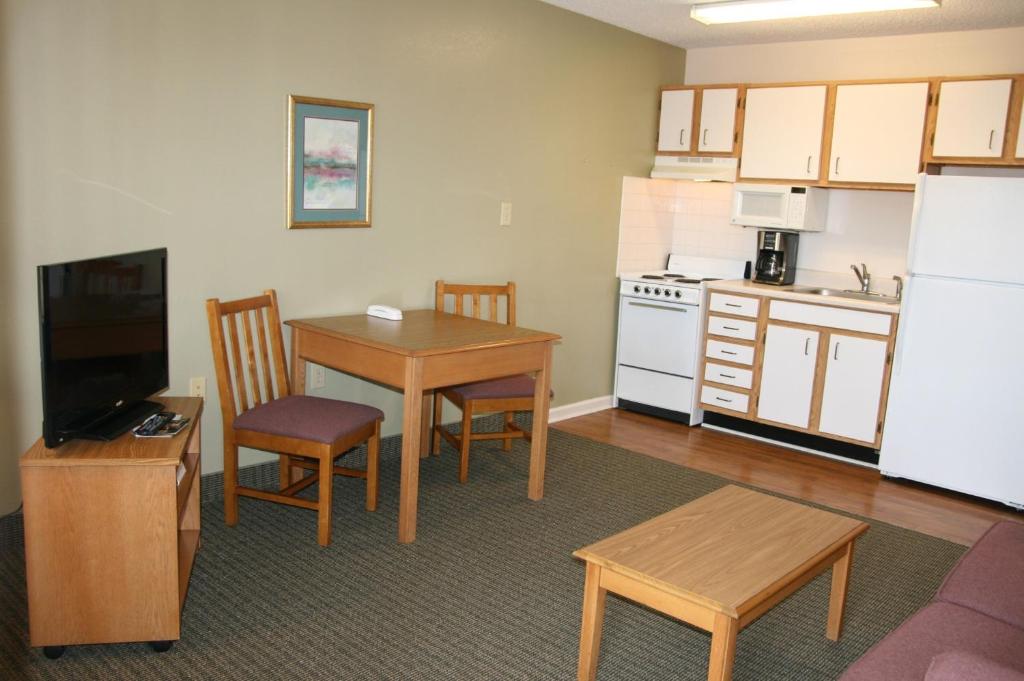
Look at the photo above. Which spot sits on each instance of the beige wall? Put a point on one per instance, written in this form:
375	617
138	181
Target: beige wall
131	124
903	56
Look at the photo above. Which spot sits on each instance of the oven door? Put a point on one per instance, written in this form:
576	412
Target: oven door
658	336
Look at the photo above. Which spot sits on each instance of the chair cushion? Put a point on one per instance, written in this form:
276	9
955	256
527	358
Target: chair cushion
308	418
961	666
989	578
907	652
496	388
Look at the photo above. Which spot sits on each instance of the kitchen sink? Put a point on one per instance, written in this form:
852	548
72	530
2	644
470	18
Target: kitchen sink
845	293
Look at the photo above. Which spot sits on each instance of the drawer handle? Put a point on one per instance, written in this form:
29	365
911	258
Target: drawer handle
733	305
721	375
728	352
730	328
722	399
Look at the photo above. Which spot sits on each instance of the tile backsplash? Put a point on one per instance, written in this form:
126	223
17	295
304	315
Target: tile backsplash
659	217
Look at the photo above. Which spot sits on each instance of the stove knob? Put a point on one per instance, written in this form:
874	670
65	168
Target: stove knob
657	291
636	289
647	289
668	294
678	294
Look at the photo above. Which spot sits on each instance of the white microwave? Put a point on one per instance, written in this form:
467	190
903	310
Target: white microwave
779	206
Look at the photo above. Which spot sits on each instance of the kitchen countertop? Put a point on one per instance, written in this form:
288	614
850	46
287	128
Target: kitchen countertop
788	293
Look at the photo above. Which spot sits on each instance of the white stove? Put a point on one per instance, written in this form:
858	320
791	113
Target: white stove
660	332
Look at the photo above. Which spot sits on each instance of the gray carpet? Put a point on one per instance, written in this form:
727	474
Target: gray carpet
489	590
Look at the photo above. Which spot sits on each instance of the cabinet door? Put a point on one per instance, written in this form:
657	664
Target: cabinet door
971	119
782	129
853	387
1020	138
717	120
676	124
877	132
787	376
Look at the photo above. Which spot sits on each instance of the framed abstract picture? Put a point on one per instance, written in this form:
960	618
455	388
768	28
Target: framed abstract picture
330	147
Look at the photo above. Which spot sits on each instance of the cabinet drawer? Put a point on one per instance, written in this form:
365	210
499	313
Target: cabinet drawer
716	373
834	317
738	305
724	399
734	328
730	352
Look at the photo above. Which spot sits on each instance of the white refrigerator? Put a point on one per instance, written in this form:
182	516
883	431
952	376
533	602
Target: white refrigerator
955	416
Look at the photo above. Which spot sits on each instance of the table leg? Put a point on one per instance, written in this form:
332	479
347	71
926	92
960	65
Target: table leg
288	474
593	620
412	416
723	647
837	599
539	443
426	421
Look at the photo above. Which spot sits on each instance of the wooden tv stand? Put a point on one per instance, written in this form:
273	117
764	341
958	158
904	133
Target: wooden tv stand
111	536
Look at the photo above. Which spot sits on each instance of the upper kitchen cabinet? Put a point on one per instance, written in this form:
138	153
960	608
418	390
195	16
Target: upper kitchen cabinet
971	119
877	133
675	130
782	132
698	120
718	114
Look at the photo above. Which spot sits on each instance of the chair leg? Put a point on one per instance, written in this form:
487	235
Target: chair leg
509	421
465	439
283	471
435	447
230	483
323	521
372	468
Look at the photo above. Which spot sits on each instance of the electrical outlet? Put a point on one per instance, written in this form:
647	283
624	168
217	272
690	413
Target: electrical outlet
506	214
197	386
318	376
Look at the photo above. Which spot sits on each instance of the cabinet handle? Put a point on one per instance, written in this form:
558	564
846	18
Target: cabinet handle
730	328
991	135
837	165
681	131
728	352
704	139
807	344
722	399
733	305
835	353
721	375
808	165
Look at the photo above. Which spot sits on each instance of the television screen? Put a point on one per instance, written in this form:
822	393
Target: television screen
103	343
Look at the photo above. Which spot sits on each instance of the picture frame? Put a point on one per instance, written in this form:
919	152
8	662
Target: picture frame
329	163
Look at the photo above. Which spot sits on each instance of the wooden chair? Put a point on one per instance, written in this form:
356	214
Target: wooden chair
509	394
259	411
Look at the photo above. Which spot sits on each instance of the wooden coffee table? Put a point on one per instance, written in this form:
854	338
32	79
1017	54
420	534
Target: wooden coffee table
718	563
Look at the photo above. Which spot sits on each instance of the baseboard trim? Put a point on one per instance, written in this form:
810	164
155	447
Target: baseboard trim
568	411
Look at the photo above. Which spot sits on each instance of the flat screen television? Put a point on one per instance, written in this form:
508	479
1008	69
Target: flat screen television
103	343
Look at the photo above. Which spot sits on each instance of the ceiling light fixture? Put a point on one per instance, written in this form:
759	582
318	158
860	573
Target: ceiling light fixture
737	11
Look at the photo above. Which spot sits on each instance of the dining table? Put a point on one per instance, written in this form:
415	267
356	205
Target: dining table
423	351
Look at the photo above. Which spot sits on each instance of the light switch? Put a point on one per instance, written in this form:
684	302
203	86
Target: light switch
506	214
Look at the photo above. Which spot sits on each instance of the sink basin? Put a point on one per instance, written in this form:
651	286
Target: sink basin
852	295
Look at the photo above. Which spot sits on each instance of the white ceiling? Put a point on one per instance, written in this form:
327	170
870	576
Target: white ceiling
669	21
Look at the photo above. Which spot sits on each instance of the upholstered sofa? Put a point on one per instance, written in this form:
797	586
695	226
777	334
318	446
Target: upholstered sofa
973	630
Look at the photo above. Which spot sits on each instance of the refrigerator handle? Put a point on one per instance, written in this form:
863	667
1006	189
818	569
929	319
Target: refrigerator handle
903	326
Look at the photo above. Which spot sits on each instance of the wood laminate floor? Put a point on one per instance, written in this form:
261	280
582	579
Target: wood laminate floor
852	488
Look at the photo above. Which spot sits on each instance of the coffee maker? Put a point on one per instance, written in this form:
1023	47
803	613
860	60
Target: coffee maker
776	257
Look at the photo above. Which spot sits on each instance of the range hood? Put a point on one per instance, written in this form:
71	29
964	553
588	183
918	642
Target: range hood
705	169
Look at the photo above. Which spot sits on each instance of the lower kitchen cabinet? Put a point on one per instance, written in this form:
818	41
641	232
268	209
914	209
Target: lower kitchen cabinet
787	375
853	387
820	369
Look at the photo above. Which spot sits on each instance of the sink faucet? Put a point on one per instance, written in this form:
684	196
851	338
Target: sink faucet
863	276
899	286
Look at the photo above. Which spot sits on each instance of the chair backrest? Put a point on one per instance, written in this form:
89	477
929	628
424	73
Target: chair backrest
248	353
457	293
